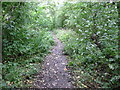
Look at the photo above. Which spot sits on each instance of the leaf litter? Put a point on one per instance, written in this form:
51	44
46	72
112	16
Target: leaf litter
54	74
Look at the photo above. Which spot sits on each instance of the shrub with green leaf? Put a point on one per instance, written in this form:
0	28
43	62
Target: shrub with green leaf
92	43
26	40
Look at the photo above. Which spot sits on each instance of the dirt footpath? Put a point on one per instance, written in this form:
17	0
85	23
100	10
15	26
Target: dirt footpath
54	74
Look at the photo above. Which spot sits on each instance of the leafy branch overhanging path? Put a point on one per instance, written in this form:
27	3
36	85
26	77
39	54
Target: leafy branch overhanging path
54	74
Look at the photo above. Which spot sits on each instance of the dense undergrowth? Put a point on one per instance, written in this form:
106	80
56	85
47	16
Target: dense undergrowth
19	73
26	40
89	69
92	43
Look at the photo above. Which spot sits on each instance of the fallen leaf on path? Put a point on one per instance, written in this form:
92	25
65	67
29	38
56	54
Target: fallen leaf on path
63	63
65	69
47	63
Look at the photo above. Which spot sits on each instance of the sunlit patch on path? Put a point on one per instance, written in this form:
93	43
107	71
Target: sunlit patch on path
54	74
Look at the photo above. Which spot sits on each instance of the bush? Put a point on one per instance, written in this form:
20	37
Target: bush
25	42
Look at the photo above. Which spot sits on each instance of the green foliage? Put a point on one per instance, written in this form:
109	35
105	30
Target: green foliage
92	43
26	40
17	71
19	28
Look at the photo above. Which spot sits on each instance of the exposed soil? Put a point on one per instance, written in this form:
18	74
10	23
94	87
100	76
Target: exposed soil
54	73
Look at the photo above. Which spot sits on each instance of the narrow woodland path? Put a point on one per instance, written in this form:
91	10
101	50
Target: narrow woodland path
54	74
